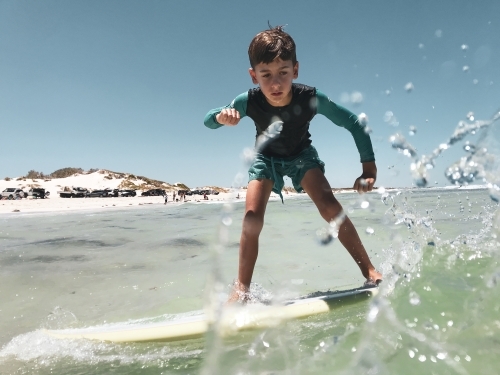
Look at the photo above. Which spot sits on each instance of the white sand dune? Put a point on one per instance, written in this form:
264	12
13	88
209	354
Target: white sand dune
98	180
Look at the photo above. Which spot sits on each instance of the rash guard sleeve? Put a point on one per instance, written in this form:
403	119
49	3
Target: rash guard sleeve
239	103
346	119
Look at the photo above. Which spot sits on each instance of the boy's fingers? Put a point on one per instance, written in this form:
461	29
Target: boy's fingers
362	185
228	116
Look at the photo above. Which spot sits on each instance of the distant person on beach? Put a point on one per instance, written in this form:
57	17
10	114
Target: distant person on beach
282	111
166	198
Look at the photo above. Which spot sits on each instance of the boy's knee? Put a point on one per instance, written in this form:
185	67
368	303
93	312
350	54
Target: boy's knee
331	211
252	223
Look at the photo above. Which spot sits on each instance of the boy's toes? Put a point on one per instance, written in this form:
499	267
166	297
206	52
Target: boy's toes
372	283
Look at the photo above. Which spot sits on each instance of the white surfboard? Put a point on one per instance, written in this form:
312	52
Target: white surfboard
234	319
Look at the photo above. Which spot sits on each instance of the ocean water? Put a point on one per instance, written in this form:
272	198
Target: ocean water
438	311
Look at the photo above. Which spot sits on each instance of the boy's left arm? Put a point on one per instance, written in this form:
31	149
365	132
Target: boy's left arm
346	119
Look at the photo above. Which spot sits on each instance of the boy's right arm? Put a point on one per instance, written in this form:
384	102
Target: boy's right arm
229	115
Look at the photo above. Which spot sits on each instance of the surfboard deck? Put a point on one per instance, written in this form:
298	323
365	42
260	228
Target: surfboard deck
233	319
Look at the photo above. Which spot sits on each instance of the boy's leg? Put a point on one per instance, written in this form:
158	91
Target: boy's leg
317	187
258	193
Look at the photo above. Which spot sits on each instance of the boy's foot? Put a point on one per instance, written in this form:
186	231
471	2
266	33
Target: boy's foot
240	293
369	283
374	278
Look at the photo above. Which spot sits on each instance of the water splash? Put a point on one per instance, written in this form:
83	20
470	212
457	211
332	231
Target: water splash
328	234
273	131
467	170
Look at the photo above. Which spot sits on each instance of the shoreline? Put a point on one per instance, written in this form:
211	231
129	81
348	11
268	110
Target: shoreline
66	205
104	179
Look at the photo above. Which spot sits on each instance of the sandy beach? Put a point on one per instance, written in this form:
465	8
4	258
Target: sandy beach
100	180
103	179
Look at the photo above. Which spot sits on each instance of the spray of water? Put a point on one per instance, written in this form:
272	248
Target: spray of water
468	169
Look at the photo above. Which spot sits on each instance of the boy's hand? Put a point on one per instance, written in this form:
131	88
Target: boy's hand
366	181
228	116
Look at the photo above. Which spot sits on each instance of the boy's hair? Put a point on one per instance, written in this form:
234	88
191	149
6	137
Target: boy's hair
270	44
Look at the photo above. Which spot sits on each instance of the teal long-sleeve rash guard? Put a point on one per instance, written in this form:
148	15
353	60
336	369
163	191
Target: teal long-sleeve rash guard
294	137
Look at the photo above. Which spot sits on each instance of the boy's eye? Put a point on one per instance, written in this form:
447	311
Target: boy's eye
283	73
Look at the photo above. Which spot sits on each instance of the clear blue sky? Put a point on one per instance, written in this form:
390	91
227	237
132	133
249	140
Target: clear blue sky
125	85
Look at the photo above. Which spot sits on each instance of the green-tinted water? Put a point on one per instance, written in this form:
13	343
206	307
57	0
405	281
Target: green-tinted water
437	313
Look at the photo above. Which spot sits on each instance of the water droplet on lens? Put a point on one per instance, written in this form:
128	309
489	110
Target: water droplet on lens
363	119
441	355
465	68
412	130
365	204
438	33
409	87
369	230
414	299
345	98
356	98
464	47
323	236
469	147
227	220
372	314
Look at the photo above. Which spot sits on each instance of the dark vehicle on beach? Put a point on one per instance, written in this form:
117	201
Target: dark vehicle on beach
99	193
39	193
127	193
153	192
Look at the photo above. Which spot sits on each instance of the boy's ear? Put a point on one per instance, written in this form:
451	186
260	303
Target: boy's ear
296	70
253	75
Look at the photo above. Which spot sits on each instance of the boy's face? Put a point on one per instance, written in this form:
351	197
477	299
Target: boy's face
275	80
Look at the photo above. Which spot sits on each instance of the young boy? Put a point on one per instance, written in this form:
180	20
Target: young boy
282	111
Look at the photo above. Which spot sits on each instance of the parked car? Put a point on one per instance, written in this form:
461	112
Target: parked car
99	193
75	192
13	193
127	193
38	193
153	192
